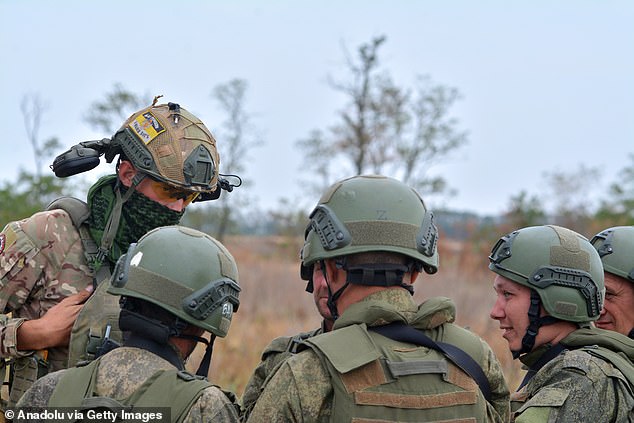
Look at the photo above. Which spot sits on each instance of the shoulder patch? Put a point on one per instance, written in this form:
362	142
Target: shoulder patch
7	238
146	126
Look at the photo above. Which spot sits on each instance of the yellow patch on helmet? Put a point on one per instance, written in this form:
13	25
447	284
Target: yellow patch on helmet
146	126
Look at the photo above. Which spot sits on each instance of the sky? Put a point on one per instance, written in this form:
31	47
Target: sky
546	85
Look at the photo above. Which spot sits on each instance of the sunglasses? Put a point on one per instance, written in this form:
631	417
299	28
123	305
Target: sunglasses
168	193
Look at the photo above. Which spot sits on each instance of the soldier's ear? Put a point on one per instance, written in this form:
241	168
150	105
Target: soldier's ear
126	172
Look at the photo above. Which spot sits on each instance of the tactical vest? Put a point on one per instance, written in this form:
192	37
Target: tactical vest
611	346
89	328
175	389
377	379
97	325
608	346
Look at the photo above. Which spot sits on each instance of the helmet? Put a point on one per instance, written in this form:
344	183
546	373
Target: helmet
197	281
366	214
616	248
170	144
557	263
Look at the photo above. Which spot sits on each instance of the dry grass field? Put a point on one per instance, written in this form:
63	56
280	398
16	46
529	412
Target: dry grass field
273	303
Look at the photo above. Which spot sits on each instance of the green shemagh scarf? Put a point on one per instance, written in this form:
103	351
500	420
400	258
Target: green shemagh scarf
138	215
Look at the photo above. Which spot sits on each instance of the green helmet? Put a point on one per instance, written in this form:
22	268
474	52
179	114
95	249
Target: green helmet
184	271
616	248
557	263
366	214
170	144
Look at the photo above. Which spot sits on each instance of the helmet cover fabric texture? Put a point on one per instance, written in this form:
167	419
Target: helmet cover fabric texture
371	213
197	281
172	145
616	248
559	264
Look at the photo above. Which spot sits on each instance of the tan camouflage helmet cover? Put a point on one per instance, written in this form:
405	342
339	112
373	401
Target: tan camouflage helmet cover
171	145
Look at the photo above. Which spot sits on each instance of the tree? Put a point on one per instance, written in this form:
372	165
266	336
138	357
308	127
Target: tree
385	128
569	197
317	153
119	104
524	211
236	138
31	191
618	208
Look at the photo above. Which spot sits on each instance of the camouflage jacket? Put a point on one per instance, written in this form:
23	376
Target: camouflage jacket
578	385
273	356
301	389
121	372
41	262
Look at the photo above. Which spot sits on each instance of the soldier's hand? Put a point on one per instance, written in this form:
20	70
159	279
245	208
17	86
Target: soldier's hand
53	328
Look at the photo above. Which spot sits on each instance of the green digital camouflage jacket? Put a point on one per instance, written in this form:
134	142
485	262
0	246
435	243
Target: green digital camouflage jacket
41	262
273	356
579	384
122	371
301	389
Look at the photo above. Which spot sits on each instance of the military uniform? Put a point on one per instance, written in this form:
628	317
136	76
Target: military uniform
41	262
578	384
278	351
122	371
306	387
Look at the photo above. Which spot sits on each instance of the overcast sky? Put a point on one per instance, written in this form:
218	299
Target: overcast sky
546	85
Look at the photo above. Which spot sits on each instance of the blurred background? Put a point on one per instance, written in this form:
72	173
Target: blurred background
502	115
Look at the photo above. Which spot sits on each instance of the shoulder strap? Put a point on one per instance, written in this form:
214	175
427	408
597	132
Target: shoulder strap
549	355
617	360
297	340
79	213
74	385
179	389
76	208
403	333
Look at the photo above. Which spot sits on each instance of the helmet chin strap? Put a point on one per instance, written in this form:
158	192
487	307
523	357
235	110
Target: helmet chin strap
332	298
205	363
110	231
534	323
159	333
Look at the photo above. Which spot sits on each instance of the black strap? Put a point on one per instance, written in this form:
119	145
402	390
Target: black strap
401	332
551	353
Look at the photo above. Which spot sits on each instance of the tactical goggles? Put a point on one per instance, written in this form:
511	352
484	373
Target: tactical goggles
168	193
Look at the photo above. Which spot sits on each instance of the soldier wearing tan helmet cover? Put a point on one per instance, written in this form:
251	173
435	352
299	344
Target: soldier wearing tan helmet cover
49	262
168	302
549	286
616	248
368	240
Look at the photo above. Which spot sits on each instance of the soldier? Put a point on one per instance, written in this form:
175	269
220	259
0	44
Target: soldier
386	358
282	348
616	248
167	159
549	285
167	302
